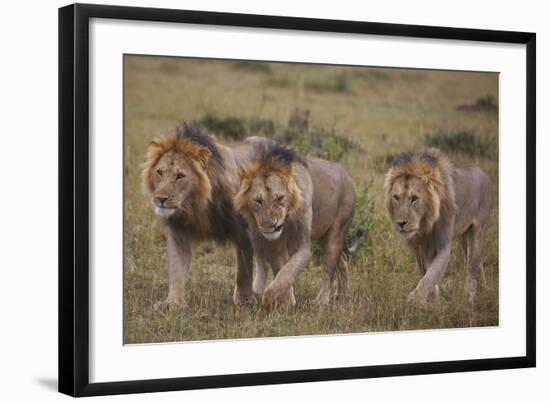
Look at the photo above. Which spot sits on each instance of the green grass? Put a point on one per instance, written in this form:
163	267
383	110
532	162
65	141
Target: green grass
358	116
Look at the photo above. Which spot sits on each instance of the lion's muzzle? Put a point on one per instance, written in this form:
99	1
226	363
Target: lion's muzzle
272	231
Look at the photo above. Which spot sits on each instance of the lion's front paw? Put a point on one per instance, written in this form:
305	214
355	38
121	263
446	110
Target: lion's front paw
274	297
470	288
323	298
343	297
418	298
169	306
240	298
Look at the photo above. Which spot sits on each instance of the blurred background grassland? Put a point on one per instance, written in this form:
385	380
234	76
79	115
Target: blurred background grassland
359	116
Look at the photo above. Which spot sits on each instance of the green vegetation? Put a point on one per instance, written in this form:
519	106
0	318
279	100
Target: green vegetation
252	66
339	83
237	128
465	142
360	117
485	103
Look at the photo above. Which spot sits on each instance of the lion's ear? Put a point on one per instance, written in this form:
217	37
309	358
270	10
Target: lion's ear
203	157
247	172
242	172
388	185
240	199
155	145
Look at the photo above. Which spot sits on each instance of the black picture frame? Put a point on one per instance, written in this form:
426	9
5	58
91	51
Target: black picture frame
74	198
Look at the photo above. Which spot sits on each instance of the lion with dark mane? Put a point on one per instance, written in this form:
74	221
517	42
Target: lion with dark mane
288	200
192	180
431	202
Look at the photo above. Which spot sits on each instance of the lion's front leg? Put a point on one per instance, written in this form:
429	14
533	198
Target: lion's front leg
244	294
427	286
280	290
179	262
260	279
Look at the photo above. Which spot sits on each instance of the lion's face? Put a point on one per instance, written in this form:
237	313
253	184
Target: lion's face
408	205
174	183
268	203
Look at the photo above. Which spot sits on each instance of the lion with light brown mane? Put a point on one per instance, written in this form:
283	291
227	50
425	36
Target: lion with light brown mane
431	202
288	200
192	180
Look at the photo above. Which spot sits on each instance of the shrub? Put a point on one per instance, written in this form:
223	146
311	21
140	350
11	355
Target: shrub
361	226
262	127
362	220
463	141
484	103
280	82
339	83
229	127
371	74
237	128
315	141
253	66
310	141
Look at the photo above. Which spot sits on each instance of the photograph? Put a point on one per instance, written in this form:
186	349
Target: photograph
273	199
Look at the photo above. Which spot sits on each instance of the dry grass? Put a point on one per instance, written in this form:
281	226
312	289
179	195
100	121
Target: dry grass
383	111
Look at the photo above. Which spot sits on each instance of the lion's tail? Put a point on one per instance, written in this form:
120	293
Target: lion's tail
357	241
362	228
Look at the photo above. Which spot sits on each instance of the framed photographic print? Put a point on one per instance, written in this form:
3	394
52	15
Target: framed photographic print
250	199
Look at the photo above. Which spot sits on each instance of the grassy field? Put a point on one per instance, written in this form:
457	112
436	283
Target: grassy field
358	116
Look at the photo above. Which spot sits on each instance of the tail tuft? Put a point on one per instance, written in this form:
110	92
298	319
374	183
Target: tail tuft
357	241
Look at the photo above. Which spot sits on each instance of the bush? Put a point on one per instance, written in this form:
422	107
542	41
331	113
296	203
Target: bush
361	226
340	83
280	82
253	66
362	220
484	103
315	141
309	141
463	141
229	127
237	128
371	74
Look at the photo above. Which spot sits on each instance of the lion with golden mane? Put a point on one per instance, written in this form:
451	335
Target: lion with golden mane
288	200
192	180
431	202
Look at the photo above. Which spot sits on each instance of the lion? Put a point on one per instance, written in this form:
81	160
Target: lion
431	202
192	180
288	200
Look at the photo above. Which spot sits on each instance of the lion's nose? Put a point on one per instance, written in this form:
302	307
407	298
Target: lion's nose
161	199
402	223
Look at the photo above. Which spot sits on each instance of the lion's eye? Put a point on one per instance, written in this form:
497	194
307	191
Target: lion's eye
414	198
179	176
396	197
159	173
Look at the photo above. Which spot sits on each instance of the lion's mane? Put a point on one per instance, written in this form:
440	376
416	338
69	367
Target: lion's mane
211	211
435	171
271	157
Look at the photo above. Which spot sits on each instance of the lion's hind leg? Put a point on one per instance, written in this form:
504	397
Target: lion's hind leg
244	293
473	248
334	246
342	277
